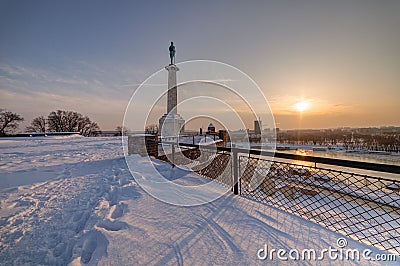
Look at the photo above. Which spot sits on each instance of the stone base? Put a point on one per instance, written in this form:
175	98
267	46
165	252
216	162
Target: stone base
171	126
143	144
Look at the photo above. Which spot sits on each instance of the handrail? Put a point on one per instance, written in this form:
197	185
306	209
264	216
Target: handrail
387	168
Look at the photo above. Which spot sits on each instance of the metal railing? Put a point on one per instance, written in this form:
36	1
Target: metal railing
205	160
363	207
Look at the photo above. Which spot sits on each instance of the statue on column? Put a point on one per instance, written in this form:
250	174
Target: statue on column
172	53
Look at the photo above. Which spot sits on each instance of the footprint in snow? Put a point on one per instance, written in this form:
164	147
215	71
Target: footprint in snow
112	225
117	211
94	246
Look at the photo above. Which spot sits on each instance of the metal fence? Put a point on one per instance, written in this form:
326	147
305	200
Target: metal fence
363	207
207	162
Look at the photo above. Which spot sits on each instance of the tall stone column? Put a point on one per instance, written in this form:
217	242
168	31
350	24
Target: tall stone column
171	123
172	90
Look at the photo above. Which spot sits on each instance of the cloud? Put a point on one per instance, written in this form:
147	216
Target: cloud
135	85
82	87
146	84
78	78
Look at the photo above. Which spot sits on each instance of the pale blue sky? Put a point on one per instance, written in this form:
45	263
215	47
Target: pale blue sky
89	56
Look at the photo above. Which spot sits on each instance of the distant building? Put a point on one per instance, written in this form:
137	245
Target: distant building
224	136
211	128
257	127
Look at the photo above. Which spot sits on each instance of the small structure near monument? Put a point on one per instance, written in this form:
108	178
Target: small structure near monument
143	144
211	128
257	127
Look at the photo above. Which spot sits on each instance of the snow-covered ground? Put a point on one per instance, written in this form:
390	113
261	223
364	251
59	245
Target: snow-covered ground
72	200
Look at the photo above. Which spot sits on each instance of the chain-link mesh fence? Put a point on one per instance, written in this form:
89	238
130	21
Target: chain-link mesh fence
208	163
362	207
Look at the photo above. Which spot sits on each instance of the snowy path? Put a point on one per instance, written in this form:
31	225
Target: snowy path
73	201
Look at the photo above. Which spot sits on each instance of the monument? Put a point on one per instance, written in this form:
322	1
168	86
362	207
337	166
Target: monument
171	123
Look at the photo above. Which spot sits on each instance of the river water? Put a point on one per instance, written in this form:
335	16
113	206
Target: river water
392	159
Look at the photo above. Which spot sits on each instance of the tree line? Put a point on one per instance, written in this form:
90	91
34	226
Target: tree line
56	121
349	140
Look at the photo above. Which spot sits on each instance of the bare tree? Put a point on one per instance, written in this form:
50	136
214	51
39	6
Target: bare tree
8	121
56	121
151	129
86	127
38	124
91	129
70	121
122	130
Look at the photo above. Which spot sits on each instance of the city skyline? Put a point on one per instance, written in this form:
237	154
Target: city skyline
319	65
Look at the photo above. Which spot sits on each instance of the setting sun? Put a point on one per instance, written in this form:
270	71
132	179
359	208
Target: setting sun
301	106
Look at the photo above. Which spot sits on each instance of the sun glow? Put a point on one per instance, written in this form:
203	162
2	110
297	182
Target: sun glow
302	106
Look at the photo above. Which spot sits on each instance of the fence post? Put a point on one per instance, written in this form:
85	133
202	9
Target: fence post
173	155
235	171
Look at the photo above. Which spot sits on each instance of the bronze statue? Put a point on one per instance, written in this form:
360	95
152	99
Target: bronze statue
172	53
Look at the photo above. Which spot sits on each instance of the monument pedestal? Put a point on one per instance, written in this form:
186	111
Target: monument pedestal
171	125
